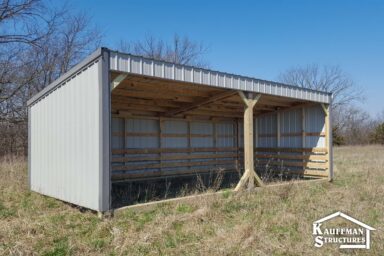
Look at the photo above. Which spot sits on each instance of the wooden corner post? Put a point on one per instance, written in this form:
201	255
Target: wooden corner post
328	140
249	177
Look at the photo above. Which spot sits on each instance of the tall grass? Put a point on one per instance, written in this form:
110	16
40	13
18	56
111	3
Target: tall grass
271	221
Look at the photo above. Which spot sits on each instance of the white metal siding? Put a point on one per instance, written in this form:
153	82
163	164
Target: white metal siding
175	127
267	131
138	65
64	129
144	134
314	122
291	127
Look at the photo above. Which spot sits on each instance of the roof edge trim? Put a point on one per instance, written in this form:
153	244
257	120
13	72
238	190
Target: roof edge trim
95	55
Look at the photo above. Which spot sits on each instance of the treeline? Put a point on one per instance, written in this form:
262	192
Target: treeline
39	42
354	126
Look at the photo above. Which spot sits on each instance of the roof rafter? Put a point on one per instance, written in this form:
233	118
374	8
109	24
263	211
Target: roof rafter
200	103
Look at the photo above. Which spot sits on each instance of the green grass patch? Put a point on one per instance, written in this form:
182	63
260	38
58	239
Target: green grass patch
60	248
232	206
98	243
51	202
184	208
226	193
6	212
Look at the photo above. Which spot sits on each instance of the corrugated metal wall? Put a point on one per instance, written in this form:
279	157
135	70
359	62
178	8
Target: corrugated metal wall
64	138
291	127
135	133
267	131
287	130
314	123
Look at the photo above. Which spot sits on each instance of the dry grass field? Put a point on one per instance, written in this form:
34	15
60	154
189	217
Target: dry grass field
269	221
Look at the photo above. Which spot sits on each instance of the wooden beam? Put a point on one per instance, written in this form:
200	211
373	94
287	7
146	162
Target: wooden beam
172	164
325	109
156	102
212	113
200	103
249	175
250	99
155	95
327	139
306	104
117	81
171	150
304	157
308	150
175	88
161	129
186	156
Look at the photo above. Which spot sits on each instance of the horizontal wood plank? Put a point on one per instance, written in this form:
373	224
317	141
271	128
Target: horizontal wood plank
291	134
294	157
171	150
171	164
309	150
171	157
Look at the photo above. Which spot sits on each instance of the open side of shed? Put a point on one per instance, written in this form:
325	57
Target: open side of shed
116	117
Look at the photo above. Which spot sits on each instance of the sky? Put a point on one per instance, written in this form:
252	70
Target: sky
261	38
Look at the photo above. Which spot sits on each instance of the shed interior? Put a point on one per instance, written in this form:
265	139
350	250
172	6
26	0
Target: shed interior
169	131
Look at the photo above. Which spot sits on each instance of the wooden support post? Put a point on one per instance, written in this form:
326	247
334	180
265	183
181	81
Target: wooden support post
249	175
189	140
256	135
161	129
236	143
328	140
278	132
124	136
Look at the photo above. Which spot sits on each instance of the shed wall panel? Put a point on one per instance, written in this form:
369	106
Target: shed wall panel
291	128
64	129
179	134
314	122
267	131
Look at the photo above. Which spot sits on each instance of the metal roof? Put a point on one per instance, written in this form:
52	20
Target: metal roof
128	63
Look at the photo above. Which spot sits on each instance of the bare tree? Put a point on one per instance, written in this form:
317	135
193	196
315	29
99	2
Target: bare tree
180	50
24	21
354	124
327	78
351	125
37	45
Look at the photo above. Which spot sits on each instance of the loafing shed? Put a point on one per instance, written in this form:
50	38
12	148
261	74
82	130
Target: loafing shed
118	117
